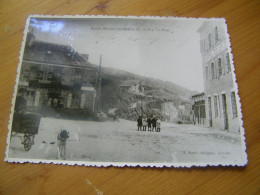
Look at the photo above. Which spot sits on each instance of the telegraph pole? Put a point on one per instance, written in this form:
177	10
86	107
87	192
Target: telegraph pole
98	96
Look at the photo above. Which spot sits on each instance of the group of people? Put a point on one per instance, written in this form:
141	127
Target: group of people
152	124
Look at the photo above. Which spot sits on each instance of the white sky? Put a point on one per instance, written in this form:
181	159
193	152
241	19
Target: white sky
169	50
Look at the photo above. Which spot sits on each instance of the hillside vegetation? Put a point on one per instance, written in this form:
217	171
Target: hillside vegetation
130	105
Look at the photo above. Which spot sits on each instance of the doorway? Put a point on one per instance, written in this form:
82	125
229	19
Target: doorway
224	104
210	112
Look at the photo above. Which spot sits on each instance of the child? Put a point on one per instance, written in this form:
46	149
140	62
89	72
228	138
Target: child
158	124
144	123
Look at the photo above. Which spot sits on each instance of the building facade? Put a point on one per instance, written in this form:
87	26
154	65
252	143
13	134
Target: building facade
219	88
58	80
199	114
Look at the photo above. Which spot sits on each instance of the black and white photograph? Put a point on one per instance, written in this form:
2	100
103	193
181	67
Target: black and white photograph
126	91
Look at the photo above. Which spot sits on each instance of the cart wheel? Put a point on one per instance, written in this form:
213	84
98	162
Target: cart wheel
27	143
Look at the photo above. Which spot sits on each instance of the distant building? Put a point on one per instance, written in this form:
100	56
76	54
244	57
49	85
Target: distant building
220	95
185	113
132	86
58	78
199	114
169	111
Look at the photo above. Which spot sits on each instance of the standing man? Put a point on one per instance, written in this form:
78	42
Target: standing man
139	123
154	123
63	135
149	122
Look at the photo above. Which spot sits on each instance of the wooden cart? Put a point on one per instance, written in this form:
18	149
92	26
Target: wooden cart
26	126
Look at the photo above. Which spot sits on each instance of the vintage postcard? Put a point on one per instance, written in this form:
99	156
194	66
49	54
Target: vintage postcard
126	91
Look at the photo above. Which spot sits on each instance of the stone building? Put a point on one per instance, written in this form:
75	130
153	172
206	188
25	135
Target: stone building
58	80
220	95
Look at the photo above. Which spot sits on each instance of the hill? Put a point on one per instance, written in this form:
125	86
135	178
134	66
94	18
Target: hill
131	95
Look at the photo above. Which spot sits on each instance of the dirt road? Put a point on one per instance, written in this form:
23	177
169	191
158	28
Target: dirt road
114	141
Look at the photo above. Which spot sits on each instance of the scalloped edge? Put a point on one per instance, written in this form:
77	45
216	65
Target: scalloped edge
243	162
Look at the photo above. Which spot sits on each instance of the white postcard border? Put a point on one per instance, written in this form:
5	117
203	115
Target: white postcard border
123	164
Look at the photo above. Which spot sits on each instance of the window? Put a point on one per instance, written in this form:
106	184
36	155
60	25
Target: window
216	35
225	111
219	107
234	104
82	101
210	112
228	63
212	71
219	68
209	39
216	105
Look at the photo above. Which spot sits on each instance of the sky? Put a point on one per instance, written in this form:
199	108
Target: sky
164	49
